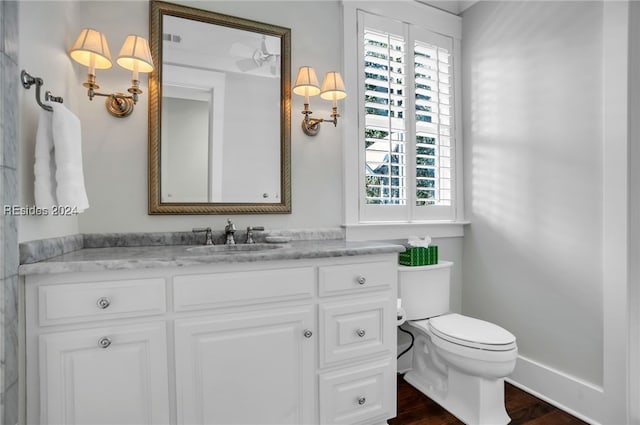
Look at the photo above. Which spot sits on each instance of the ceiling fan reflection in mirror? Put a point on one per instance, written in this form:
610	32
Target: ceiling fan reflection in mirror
267	54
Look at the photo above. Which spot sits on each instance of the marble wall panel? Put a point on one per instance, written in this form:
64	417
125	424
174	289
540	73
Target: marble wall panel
9	196
9	86
10	29
9	112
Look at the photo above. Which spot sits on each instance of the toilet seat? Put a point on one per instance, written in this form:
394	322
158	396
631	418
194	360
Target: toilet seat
469	332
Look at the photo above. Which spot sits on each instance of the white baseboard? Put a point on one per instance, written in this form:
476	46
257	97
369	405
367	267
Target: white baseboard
579	398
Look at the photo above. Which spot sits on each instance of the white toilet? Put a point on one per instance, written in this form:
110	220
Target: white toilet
457	361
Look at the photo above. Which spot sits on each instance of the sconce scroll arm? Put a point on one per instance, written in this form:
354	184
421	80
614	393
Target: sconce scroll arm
92	93
311	126
119	105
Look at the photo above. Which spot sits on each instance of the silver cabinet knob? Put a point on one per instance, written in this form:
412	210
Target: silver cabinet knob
361	332
104	302
307	333
104	342
361	280
362	400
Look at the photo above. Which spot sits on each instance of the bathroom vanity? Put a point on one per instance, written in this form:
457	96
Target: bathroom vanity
301	334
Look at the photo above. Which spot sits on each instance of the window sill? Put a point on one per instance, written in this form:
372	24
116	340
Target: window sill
402	230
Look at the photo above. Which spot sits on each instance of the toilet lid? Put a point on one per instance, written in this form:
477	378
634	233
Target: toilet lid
471	332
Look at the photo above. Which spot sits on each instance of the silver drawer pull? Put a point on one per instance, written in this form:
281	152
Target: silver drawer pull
104	342
362	400
361	332
104	302
307	333
361	280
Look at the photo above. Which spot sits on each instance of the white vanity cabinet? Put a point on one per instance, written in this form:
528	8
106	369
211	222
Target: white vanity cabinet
96	350
254	368
309	341
357	322
248	357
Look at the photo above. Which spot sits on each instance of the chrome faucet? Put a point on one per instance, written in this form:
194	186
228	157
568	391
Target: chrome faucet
229	231
250	233
208	234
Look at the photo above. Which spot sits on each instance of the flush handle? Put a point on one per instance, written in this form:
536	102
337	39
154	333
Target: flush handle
104	302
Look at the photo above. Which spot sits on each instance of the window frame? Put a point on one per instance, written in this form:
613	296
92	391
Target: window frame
358	220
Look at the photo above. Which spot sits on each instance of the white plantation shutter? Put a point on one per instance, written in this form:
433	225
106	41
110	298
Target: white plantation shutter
433	120
407	121
385	106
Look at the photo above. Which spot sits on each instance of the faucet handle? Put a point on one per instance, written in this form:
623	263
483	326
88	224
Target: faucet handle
201	229
230	227
250	233
208	234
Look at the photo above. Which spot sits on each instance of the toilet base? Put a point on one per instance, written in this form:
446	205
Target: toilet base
473	400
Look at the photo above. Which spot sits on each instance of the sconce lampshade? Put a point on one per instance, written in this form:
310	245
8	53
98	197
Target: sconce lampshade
333	87
306	82
135	54
91	49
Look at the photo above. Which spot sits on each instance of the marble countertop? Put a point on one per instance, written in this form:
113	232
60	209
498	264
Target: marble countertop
141	257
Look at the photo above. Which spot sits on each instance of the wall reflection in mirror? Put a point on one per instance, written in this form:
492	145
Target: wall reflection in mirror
222	141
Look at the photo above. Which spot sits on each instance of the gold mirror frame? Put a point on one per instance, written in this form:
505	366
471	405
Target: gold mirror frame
157	10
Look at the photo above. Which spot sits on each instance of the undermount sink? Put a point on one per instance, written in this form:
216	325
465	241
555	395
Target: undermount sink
230	249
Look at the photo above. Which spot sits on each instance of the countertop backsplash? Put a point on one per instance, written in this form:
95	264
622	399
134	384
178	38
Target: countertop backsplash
43	249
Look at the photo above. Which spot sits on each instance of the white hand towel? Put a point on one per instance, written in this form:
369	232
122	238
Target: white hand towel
67	141
58	168
45	167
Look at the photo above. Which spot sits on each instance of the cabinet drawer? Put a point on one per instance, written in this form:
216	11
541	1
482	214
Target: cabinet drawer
358	394
356	328
83	302
195	292
357	277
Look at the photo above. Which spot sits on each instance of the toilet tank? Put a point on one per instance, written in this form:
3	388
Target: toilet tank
424	290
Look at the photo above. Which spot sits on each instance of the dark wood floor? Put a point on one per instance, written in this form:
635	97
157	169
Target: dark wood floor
414	408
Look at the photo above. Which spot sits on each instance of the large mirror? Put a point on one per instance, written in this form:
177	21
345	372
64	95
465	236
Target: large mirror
219	114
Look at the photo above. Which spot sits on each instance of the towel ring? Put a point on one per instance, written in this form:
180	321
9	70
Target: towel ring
28	81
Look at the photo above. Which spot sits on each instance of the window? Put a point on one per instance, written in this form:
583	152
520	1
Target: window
384	124
406	124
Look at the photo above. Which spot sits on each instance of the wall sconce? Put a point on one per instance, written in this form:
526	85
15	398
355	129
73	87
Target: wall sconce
332	89
91	50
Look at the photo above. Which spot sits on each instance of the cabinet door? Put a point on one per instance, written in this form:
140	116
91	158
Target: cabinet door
110	375
250	368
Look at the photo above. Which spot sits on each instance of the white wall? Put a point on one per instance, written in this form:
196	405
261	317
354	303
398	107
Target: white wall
115	150
542	193
45	32
534	180
634	215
